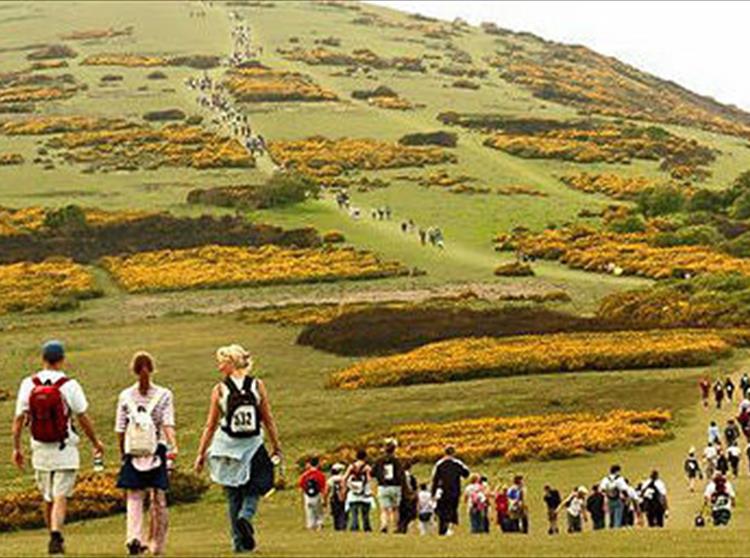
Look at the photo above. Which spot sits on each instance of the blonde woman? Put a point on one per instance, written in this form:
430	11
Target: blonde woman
145	430
232	442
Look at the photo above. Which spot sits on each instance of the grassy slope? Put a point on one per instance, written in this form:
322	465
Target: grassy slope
311	417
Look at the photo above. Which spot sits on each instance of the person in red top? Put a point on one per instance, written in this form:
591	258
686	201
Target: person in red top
312	483
501	508
705	386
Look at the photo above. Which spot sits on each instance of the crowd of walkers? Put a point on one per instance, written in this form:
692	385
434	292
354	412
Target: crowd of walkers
233	448
232	445
430	235
211	95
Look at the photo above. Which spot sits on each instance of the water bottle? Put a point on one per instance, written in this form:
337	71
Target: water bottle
98	463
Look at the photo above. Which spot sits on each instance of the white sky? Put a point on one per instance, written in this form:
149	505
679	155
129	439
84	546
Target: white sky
703	46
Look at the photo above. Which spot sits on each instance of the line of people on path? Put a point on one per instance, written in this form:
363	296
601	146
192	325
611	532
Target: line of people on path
49	403
350	492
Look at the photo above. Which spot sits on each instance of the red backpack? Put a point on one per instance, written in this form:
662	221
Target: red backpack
48	411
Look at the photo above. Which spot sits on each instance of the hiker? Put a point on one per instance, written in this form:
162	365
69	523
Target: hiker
407	511
731	432
145	428
552	500
734	454
389	474
47	401
595	505
422	236
744	383
710	455
575	506
743	415
692	469
359	498
446	489
714	434
501	509
517	508
729	388
615	489
336	504
718	393
722	463
232	442
476	503
633	512
705	390
654	494
404	226
425	510
387	212
720	497
312	483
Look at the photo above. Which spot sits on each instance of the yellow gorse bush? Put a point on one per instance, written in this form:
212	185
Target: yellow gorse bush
50	285
255	85
613	185
7	159
38	125
32	219
126	60
96	495
471	358
322	157
224	266
631	254
175	145
535	437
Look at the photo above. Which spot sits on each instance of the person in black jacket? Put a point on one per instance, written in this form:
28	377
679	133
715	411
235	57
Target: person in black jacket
446	489
596	507
552	500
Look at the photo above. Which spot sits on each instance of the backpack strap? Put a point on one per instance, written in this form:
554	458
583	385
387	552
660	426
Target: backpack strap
36	381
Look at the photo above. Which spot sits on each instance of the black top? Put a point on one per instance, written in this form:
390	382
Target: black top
552	499
447	476
388	471
595	505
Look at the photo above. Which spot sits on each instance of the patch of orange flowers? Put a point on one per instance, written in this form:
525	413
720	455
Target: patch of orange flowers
225	266
486	357
524	438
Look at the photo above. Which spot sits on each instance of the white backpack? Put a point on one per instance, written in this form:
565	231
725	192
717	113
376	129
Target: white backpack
141	434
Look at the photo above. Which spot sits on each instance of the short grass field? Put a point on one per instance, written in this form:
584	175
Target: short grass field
183	329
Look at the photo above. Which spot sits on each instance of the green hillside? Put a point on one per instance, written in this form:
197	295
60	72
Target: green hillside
606	179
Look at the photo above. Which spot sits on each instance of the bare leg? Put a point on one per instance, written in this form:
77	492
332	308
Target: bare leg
57	513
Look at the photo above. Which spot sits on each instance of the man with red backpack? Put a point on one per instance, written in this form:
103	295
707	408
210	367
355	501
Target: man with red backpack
47	402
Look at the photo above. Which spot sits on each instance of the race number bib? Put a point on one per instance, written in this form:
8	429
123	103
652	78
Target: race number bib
388	473
244	420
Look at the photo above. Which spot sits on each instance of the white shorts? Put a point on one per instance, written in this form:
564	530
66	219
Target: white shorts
53	484
389	497
314	514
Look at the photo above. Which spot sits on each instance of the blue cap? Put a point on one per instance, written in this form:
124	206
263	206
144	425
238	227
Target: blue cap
53	351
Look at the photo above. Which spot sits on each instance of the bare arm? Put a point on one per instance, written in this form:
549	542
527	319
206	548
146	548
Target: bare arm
17	429
266	416
212	423
171	435
88	429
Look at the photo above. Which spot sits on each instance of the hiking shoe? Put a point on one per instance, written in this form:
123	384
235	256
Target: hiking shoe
135	547
247	533
56	543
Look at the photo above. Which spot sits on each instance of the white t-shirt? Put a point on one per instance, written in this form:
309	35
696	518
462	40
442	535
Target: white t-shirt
46	456
614	483
710	454
575	506
734	451
425	503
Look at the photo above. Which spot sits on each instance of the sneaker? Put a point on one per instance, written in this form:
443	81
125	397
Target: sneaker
134	547
56	543
247	533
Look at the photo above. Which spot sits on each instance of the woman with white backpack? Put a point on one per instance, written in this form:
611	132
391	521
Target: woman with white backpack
145	429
